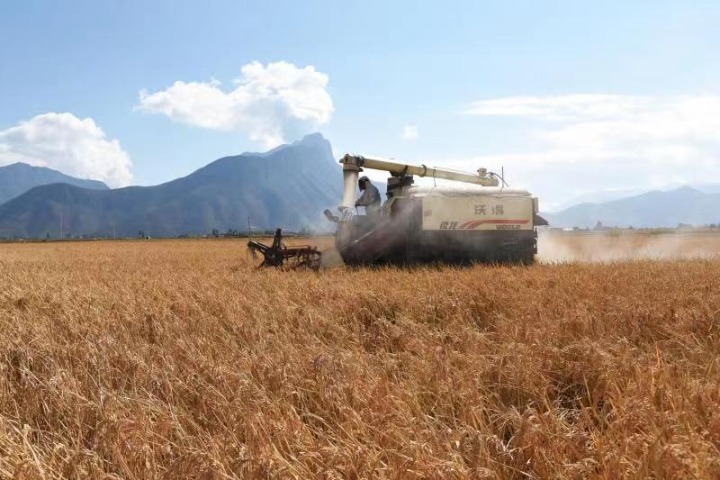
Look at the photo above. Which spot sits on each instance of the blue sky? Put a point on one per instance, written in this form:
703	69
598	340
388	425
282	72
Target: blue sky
570	97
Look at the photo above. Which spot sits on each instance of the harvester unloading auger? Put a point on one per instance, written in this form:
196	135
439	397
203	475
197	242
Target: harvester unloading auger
480	223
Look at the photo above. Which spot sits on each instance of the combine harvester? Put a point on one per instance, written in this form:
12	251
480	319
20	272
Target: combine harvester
482	222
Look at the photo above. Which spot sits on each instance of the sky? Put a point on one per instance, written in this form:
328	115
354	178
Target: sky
570	98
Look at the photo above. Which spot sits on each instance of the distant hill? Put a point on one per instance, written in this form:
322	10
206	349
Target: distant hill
598	197
708	187
288	187
653	209
18	178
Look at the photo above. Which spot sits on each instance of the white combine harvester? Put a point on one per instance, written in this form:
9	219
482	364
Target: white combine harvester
479	223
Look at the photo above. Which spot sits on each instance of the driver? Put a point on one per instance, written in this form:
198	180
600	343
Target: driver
370	198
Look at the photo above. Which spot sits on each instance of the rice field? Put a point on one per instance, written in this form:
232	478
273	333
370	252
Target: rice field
177	359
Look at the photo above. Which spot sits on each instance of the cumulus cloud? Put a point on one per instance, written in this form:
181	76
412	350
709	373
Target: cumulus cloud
74	146
410	132
270	103
609	142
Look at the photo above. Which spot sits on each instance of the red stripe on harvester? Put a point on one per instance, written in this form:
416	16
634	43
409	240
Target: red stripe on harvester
476	223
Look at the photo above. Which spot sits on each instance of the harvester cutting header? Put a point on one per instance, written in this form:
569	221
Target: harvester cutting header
481	222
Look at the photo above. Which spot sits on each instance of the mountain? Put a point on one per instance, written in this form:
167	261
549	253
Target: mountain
708	187
600	196
287	187
652	209
18	178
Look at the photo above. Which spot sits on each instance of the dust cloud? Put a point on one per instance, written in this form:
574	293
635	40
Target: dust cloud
604	247
331	258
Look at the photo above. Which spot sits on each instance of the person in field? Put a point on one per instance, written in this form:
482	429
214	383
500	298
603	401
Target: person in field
370	198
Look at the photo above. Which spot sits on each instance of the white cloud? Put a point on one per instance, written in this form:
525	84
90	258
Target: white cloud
270	103
66	143
573	144
410	132
562	107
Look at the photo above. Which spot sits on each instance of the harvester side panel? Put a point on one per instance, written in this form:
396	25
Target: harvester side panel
399	238
477	212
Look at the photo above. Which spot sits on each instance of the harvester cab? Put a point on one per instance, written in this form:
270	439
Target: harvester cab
482	222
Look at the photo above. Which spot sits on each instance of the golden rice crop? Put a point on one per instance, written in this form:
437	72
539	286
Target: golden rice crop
176	359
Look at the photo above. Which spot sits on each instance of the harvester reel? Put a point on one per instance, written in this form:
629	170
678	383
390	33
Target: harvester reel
287	258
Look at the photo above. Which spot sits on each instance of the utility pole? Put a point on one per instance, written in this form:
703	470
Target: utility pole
61	224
